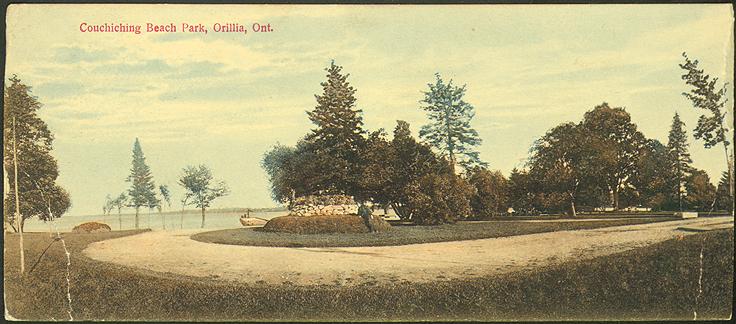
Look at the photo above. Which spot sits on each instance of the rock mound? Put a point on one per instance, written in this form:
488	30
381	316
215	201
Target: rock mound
91	227
321	224
323	205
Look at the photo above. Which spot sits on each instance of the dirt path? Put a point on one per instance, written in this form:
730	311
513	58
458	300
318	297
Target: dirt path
175	252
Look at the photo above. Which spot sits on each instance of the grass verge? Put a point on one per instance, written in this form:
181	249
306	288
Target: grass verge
654	283
406	234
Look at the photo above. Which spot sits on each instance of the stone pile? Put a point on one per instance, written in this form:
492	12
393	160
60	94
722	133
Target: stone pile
311	210
323	205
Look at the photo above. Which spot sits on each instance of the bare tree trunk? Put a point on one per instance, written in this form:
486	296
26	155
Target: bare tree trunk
572	206
615	197
18	217
181	223
163	219
137	208
202	217
120	220
572	209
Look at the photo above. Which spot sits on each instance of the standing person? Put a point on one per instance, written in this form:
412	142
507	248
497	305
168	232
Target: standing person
365	212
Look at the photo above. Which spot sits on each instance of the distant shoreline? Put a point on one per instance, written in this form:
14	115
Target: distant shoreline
193	211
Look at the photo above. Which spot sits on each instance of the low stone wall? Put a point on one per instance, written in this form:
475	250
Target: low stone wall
323	205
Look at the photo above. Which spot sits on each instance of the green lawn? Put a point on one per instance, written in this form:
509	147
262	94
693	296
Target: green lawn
658	282
407	234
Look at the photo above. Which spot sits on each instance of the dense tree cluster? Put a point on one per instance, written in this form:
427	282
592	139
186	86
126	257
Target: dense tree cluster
339	157
602	162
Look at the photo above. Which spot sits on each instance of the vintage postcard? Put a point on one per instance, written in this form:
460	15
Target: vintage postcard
167	162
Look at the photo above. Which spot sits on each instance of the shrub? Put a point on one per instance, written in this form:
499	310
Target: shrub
324	224
91	227
439	198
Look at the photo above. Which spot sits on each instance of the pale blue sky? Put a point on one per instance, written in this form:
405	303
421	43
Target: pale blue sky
224	99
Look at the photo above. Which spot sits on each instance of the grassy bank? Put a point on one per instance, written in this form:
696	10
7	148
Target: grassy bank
406	234
658	282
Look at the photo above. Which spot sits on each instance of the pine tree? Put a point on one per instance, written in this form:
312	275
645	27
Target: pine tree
723	200
142	191
339	134
449	129
37	171
679	157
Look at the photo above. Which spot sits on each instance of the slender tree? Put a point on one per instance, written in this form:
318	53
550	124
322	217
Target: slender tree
119	202
142	191
17	201
30	169
184	202
200	189
707	95
449	130
679	157
28	147
109	205
338	135
165	197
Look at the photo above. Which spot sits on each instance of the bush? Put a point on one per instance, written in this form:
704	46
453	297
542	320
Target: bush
324	224
438	199
91	227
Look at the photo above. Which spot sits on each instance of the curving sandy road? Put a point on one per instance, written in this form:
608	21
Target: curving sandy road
176	253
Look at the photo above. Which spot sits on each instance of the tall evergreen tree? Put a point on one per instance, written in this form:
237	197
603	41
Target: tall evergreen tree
338	136
679	157
142	191
723	200
37	171
706	95
449	130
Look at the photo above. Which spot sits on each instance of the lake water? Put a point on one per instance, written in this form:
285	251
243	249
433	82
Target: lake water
153	220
